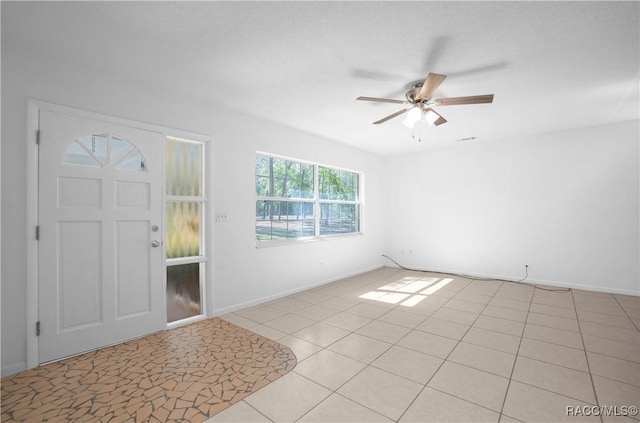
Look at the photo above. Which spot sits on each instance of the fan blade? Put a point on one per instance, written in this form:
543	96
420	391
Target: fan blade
384	119
439	121
430	86
382	100
474	99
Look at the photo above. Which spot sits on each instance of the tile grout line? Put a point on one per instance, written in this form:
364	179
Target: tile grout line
258	411
129	352
626	313
335	391
425	318
586	356
524	328
366	364
447	357
370	364
443	359
612	315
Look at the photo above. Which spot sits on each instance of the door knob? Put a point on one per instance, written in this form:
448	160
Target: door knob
155	243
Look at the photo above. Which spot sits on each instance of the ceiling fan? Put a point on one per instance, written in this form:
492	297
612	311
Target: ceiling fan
420	97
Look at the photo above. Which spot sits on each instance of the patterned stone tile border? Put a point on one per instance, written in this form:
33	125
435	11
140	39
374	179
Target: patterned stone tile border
184	374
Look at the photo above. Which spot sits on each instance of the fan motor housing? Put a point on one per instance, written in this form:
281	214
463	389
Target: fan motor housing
413	92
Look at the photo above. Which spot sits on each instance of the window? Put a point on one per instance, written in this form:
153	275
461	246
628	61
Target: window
100	150
184	228
298	200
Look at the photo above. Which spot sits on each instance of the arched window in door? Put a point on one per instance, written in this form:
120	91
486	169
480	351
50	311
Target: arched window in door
103	150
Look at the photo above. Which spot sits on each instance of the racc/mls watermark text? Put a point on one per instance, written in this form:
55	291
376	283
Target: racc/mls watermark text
602	410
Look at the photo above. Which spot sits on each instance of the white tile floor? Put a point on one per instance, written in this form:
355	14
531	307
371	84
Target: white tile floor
399	346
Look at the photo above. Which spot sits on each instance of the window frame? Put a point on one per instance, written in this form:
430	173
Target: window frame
315	200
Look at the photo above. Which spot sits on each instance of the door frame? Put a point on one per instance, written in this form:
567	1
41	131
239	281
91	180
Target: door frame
32	260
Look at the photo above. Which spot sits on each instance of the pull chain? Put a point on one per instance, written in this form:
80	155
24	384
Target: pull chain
413	133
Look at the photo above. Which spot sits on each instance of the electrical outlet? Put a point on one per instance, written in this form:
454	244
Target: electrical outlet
221	216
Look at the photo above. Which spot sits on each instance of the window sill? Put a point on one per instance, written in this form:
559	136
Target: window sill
322	238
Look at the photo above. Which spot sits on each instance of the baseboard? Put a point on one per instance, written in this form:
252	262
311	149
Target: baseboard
608	290
13	368
251	303
532	281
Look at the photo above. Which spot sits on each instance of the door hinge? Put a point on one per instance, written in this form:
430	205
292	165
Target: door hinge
38	328
38	137
38	233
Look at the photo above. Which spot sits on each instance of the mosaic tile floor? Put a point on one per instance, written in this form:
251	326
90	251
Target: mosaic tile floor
185	374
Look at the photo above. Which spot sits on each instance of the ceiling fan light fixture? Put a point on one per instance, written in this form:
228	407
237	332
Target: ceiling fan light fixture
431	117
420	97
413	116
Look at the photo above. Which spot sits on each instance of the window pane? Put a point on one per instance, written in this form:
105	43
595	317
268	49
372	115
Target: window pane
183	291
97	144
183	229
118	147
339	218
284	219
134	162
92	150
336	184
283	178
184	168
78	156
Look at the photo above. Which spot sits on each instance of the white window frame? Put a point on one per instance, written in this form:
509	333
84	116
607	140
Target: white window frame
315	200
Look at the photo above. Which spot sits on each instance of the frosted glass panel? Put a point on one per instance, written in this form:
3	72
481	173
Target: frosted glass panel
183	229
184	168
184	235
183	291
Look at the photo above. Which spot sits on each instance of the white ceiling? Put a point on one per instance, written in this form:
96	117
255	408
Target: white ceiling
551	65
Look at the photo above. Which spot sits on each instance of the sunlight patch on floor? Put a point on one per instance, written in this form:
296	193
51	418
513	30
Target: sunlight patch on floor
399	292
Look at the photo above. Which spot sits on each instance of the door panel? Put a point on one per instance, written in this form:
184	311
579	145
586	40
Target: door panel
79	278
100	279
133	278
133	195
79	192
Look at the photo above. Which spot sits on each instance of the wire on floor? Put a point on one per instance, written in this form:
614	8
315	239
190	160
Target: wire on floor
477	278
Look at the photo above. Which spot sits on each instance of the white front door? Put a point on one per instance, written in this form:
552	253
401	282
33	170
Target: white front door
101	264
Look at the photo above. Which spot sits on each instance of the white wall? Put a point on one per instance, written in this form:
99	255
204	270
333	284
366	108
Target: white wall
242	274
564	203
274	269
